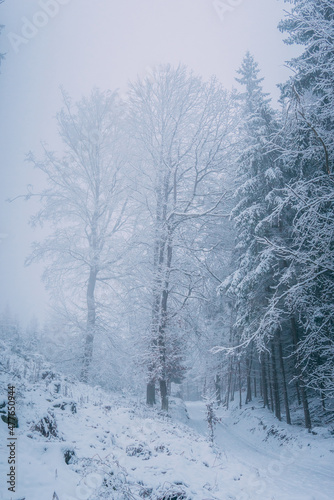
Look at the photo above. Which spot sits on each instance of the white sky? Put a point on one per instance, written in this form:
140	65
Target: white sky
104	43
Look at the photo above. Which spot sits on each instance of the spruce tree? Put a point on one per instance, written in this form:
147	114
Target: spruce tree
307	285
260	173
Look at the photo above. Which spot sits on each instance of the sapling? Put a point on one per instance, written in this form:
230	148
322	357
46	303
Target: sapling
211	416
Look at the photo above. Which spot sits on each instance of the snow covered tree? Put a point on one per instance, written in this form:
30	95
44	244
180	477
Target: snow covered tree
181	128
264	330
211	416
259	171
83	207
299	306
305	291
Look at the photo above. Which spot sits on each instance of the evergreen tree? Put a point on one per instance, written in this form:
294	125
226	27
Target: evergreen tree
259	172
305	291
257	341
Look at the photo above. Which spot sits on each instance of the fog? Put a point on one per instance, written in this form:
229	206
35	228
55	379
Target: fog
80	44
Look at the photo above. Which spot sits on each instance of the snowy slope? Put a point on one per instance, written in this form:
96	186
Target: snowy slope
271	459
98	445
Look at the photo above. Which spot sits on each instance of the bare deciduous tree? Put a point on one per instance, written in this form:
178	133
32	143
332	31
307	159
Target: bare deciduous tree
84	206
182	128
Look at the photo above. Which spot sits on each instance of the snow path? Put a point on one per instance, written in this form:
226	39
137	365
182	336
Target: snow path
280	473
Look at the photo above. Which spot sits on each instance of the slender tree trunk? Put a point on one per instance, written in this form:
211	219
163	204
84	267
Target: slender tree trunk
323	397
305	407
158	259
204	387
163	394
298	392
285	388
264	381
150	387
229	384
218	389
249	379
163	324
162	352
307	416
240	385
91	324
275	383
150	393
255	388
234	382
270	383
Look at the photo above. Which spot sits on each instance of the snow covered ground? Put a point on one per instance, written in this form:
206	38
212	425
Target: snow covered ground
77	442
271	460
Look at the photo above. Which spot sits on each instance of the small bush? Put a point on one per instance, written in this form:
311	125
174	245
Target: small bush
64	405
47	426
69	456
138	450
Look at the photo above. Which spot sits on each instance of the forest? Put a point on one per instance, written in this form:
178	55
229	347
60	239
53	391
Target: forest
189	235
184	230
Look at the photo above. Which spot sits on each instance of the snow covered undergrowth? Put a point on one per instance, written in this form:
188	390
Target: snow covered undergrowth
81	442
78	442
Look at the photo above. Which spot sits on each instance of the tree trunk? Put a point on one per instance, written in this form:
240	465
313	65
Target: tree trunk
150	394
323	398
234	382
305	408
298	392
87	358
240	386
285	388
270	382
264	381
275	383
229	384
163	323
255	388
307	416
163	393
91	323
249	380
218	389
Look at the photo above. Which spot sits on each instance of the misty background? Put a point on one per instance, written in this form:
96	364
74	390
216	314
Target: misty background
177	160
104	44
